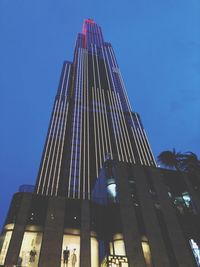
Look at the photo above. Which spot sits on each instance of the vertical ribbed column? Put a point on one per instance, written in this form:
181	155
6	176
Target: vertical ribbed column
153	232
85	251
178	242
51	249
50	169
18	232
131	234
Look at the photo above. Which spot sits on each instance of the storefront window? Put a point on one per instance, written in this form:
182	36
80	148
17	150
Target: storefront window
119	247
6	242
30	249
70	256
146	252
115	261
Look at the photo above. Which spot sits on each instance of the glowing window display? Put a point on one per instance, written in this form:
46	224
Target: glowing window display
5	246
119	247
30	249
146	252
115	261
70	256
94	252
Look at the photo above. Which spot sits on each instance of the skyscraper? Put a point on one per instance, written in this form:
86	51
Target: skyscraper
91	121
100	200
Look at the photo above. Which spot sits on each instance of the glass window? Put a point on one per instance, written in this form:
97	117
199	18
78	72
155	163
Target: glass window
30	249
70	256
119	247
146	252
4	249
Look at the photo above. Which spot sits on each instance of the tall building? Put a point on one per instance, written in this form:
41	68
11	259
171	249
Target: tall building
91	120
99	199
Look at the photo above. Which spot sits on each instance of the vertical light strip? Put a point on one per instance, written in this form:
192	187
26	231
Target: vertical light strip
95	138
102	49
57	127
111	113
101	122
115	89
83	128
126	136
98	131
49	154
143	147
116	66
139	143
110	103
61	154
52	126
63	131
126	129
136	143
55	166
119	132
113	63
149	147
82	107
145	158
145	141
124	91
44	190
128	104
109	67
115	125
59	136
80	86
88	127
97	121
47	146
109	50
113	55
100	105
108	130
74	115
94	112
104	123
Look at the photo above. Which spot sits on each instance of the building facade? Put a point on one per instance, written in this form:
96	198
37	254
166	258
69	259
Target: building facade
91	120
100	199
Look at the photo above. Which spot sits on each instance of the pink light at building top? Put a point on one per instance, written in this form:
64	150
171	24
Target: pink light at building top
86	21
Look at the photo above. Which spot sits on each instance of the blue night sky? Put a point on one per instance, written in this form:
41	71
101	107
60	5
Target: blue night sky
157	44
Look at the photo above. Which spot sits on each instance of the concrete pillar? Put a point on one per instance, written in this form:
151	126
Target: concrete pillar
181	250
157	246
85	247
51	248
132	238
18	231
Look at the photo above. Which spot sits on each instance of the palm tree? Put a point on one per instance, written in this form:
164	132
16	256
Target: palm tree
191	163
171	159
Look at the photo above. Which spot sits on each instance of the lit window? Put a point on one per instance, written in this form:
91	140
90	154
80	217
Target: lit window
112	190
5	246
30	249
196	251
146	251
